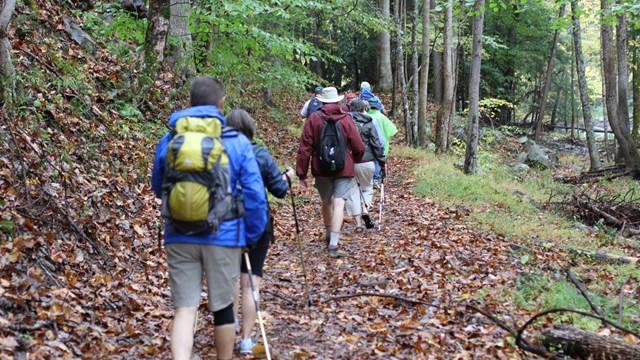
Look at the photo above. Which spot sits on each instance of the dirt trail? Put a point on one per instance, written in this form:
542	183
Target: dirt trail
423	253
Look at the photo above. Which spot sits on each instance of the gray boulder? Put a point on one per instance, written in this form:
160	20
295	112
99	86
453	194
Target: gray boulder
78	35
537	155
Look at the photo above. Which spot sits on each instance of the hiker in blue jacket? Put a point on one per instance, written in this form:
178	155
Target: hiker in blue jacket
366	95
277	184
218	254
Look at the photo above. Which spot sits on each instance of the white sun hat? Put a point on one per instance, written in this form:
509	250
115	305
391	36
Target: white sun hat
330	95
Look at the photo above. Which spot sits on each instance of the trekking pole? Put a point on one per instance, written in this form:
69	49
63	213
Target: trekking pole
257	303
383	175
365	214
299	241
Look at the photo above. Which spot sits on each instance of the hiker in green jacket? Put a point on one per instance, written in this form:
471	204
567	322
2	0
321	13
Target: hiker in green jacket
387	128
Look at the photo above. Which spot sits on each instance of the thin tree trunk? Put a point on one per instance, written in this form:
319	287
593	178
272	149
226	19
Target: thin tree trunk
437	67
444	112
6	66
594	158
547	83
554	111
605	119
573	101
383	57
414	73
180	48
622	134
471	154
623	74
636	95
155	39
423	122
400	70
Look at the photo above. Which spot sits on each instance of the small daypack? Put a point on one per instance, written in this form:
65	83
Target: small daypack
331	148
314	105
196	192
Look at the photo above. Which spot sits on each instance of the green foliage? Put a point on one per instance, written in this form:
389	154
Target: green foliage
120	32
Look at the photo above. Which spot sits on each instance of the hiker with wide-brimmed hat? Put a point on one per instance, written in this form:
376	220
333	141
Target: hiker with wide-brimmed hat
331	144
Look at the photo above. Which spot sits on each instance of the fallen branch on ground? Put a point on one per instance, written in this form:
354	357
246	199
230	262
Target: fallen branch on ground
411	301
580	344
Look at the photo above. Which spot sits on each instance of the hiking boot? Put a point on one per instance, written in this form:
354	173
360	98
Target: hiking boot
376	184
246	346
333	252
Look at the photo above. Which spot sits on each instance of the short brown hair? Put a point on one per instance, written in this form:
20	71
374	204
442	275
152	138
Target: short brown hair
242	121
206	90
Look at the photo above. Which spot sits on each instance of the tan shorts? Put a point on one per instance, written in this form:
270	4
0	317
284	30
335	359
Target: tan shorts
329	188
221	266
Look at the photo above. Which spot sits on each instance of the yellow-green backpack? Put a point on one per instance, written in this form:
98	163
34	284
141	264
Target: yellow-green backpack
197	193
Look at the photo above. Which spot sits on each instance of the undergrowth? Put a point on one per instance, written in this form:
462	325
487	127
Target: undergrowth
515	203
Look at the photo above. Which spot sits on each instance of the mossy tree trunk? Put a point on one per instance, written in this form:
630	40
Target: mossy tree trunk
155	41
6	66
471	153
443	119
423	123
180	47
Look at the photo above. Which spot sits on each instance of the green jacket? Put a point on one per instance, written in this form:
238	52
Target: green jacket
387	128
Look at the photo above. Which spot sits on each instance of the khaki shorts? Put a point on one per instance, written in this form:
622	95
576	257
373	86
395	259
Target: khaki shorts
221	266
329	188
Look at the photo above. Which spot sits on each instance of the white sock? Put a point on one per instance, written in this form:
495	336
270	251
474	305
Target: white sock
334	238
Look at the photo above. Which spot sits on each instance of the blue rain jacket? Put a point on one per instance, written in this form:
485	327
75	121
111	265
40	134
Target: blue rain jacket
366	94
244	172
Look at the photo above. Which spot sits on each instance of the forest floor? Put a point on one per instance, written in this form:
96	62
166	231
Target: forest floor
83	273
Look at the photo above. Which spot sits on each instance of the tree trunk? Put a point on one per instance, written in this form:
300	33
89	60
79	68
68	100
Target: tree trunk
155	39
547	83
622	134
400	70
437	67
471	154
594	158
414	73
385	75
444	112
579	344
623	74
423	121
636	95
180	50
605	119
573	100
6	67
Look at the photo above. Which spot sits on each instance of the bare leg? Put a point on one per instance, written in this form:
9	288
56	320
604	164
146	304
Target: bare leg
338	214
249	314
182	333
224	337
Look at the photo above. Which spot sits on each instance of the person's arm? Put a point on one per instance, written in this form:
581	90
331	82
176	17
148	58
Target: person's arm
305	148
273	179
157	176
377	148
253	195
303	112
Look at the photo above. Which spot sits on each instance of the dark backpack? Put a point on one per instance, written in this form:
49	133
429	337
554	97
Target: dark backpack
331	149
314	105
